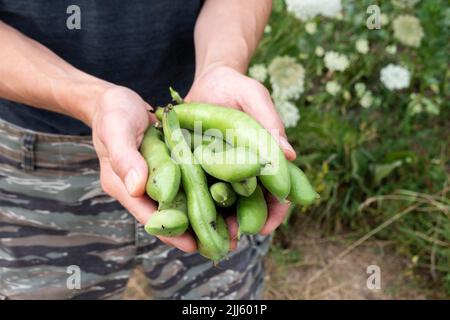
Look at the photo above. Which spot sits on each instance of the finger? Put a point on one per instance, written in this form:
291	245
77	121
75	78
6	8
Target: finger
185	242
277	213
122	142
228	102
232	230
140	207
151	114
257	102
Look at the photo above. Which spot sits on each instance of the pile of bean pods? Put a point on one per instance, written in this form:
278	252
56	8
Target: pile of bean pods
196	178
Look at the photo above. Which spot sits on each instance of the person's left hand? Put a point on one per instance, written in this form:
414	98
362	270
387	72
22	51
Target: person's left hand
224	86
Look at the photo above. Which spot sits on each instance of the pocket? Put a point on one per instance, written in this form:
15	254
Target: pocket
31	150
39	166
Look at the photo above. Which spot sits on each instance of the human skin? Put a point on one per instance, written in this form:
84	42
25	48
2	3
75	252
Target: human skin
226	35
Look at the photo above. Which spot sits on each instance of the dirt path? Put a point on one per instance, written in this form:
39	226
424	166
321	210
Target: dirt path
317	274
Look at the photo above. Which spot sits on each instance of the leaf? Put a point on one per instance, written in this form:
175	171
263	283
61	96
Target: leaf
278	5
381	171
431	107
360	159
404	155
360	163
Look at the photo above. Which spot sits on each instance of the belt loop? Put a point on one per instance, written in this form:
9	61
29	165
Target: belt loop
28	141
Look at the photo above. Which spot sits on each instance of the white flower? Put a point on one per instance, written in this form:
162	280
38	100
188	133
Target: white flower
407	30
307	9
392	49
395	77
362	46
311	27
360	88
286	77
258	72
288	112
332	87
366	100
268	29
335	61
319	51
303	10
330	8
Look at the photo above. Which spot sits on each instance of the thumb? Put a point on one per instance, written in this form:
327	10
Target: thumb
258	103
122	142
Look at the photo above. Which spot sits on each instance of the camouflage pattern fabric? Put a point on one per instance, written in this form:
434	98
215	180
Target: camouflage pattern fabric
54	214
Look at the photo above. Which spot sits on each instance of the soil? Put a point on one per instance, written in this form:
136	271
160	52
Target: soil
320	275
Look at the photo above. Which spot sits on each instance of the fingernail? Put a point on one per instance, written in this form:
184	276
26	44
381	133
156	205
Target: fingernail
286	145
131	181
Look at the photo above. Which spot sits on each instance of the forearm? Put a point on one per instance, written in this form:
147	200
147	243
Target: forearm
228	32
33	75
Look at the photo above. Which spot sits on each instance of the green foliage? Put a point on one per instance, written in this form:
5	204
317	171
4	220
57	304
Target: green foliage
399	142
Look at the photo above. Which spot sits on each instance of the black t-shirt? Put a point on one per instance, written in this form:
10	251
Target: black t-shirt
146	45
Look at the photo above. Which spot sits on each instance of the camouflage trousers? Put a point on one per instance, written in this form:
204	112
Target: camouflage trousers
54	217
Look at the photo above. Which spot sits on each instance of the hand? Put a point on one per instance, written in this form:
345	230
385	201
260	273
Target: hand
118	127
224	86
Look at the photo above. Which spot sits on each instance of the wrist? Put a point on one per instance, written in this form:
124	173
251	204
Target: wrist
80	101
236	58
218	65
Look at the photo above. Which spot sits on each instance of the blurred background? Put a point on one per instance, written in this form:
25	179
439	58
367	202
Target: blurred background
363	89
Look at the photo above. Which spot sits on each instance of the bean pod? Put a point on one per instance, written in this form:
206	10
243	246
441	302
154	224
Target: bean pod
201	210
251	212
302	191
164	174
231	164
171	220
223	194
245	187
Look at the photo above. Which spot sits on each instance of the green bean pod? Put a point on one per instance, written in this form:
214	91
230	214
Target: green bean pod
245	187
179	203
240	130
163	173
251	212
222	232
171	219
196	139
201	209
223	194
302	191
231	164
167	222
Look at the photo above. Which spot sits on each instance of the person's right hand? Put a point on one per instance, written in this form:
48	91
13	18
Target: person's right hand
118	126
